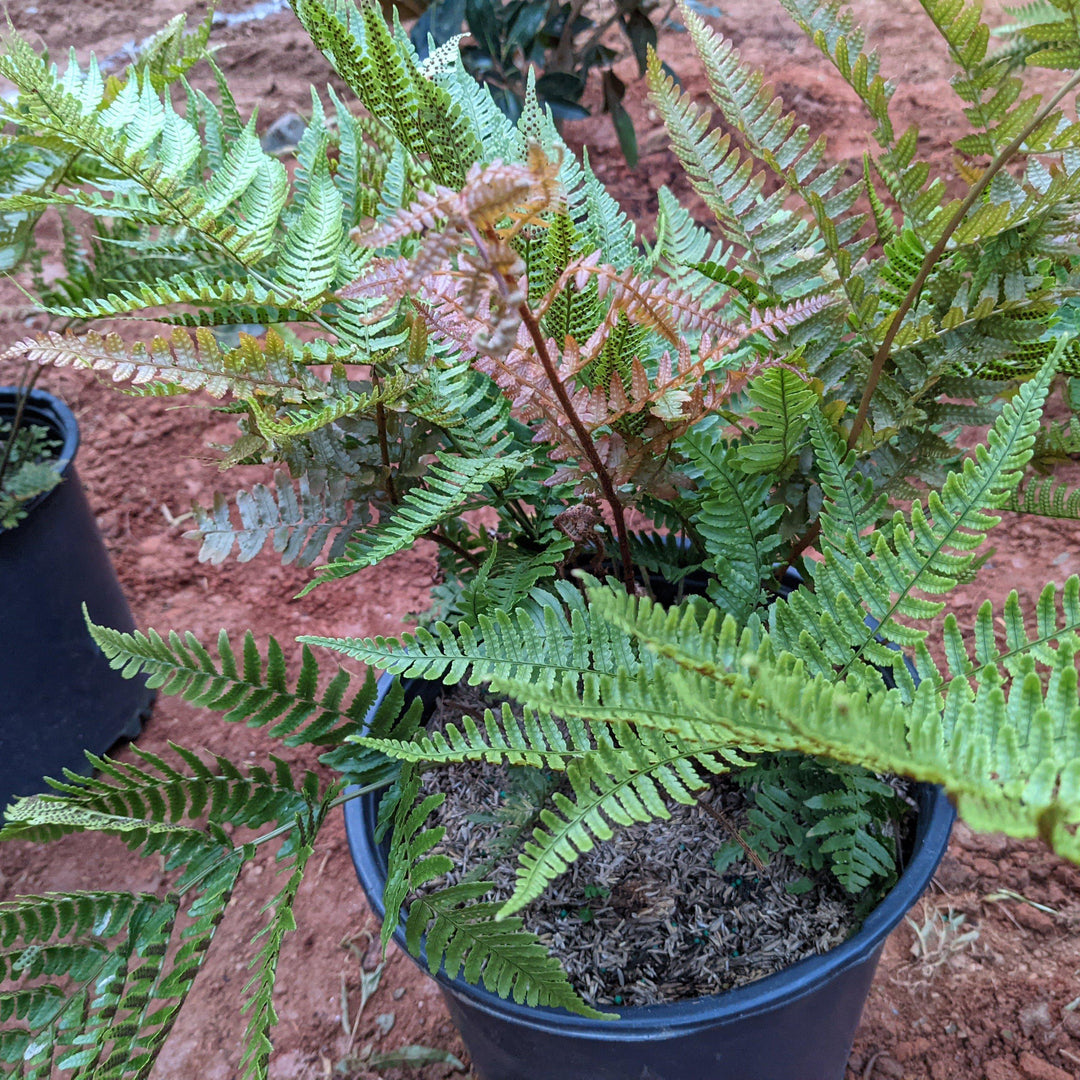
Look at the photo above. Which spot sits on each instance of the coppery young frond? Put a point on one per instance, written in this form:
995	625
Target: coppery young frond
490	195
467	281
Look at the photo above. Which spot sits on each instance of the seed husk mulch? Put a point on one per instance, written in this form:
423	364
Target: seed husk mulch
642	918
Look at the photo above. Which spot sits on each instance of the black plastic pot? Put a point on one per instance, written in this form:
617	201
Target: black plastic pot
798	1024
58	695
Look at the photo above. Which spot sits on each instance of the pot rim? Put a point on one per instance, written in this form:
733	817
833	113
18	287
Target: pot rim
936	815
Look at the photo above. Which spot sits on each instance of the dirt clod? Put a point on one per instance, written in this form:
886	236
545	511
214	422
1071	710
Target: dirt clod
1033	919
1037	1068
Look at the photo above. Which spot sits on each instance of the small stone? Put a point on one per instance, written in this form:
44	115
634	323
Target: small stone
1035	1016
887	1069
990	844
1067	875
1070	1021
953	875
1055	894
1040	870
986	868
1019	879
1034	919
284	133
1001	1069
1035	1068
912	1048
399	993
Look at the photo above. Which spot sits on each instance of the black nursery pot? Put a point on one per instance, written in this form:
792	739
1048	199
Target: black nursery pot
58	695
798	1024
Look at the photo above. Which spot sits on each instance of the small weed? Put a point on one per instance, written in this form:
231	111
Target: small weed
940	936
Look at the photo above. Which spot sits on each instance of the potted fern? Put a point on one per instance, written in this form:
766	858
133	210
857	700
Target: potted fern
58	696
484	332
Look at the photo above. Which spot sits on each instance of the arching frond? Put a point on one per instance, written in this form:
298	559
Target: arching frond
194	361
449	486
298	520
247	688
457	930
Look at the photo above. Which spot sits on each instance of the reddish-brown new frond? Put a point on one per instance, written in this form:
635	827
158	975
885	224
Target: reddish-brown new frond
490	195
426	211
384	279
783	319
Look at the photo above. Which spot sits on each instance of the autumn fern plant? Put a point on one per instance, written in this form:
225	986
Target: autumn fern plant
439	311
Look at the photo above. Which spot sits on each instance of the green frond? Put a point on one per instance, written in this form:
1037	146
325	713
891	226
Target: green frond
622	781
460	934
831	26
249	688
381	71
462	402
666	556
24	170
783	401
508	575
146	804
1046	497
308	260
196	288
1008	757
298	421
684	249
551	632
774	138
139	983
363	160
449	487
851	508
717	171
530	739
1046	33
81	971
495	132
606	223
146	162
258	993
457	931
824	817
916	558
171	52
734	516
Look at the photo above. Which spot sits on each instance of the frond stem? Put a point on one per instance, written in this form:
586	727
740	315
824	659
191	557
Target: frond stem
584	439
384	452
877	367
452	545
286	827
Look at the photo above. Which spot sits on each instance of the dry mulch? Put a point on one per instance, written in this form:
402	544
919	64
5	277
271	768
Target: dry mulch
642	918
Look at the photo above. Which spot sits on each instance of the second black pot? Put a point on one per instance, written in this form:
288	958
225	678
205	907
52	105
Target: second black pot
797	1024
58	695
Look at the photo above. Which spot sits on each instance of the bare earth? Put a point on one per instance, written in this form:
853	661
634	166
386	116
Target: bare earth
1000	1004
